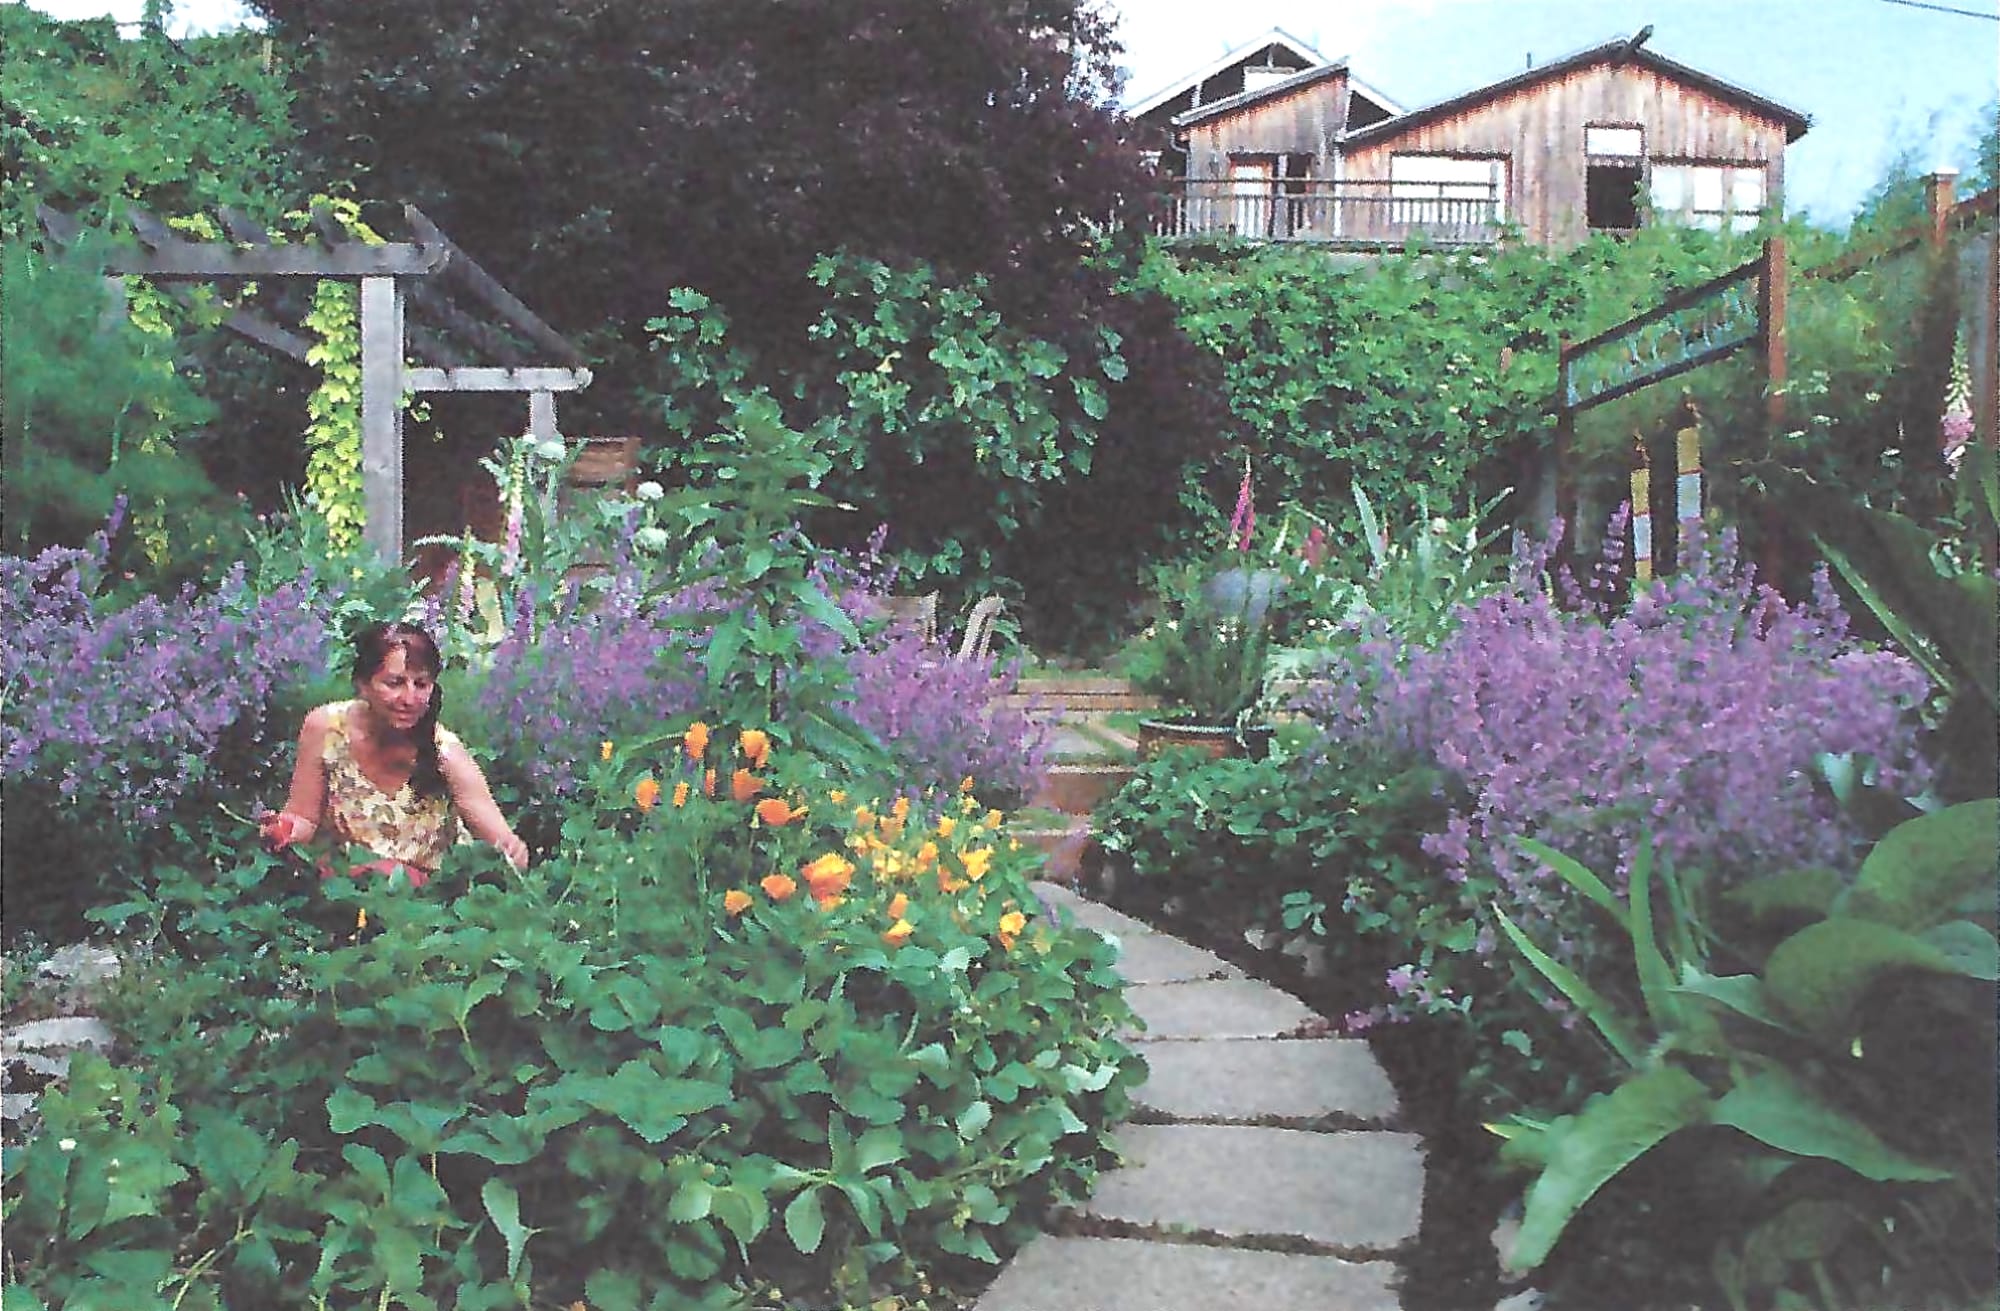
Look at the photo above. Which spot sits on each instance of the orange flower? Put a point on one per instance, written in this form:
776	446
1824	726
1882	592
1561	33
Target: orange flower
927	855
778	886
828	876
774	812
945	826
899	905
898	933
755	744
863	817
901	810
708	782
976	862
735	901
696	741
604	750
646	793
744	785
965	784
992	819
949	882
838	796
680	794
1012	925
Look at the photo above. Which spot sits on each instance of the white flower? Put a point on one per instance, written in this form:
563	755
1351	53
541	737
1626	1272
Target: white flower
650	538
67	1144
649	491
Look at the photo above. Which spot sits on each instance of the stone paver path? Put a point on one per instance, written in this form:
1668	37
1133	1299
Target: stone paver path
1264	1170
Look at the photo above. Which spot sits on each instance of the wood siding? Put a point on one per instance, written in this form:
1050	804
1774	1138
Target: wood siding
1539	130
1301	122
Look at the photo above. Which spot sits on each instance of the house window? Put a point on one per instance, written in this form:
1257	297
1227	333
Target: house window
1712	196
1613	170
1447	191
1268	194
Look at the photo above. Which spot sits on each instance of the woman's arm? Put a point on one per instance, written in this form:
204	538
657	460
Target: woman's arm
475	803
306	803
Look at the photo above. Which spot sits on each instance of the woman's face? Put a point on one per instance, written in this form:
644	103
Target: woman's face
397	694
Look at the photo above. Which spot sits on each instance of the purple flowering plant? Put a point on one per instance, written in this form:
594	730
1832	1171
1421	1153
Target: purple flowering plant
1694	715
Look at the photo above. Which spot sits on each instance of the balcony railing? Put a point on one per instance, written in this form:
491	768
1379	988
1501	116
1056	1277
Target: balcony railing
1345	211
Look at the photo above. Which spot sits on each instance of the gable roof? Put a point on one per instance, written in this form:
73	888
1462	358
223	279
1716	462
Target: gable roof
1619	49
1276	36
1230	104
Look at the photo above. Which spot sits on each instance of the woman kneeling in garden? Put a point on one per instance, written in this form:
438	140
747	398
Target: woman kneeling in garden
383	774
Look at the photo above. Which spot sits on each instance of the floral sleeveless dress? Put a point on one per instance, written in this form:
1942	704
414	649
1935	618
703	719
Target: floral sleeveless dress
415	830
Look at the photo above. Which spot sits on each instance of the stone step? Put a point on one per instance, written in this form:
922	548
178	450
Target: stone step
1066	851
1055	1273
1309	1079
1350	1193
1217	1008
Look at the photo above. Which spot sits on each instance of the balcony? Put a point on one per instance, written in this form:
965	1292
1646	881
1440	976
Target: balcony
1357	214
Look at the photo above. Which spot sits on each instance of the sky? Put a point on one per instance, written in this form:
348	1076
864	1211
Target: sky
1879	79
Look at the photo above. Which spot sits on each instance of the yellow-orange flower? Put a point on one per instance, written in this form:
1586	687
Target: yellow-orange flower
901	810
744	785
898	933
681	791
646	793
755	744
696	741
976	862
828	876
992	819
949	882
838	796
945	826
1012	925
899	905
708	782
774	812
778	886
735	901
604	750
863	817
965	784
927	855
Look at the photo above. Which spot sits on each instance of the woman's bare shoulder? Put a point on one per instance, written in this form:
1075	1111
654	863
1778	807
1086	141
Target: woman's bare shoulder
322	718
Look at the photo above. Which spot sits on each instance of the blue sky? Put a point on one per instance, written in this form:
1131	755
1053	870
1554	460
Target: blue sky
1876	78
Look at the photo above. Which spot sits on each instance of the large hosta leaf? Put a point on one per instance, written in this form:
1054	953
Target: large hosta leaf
1819	974
1613	1130
1779	1111
1921	869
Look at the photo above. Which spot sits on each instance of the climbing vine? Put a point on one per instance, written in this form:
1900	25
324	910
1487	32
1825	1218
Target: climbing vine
333	412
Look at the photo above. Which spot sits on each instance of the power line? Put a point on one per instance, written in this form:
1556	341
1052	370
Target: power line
1945	9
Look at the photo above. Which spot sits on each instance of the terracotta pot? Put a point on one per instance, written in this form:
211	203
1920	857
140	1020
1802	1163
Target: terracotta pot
1221	741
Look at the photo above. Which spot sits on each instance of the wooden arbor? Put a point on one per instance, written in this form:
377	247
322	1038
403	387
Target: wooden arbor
423	299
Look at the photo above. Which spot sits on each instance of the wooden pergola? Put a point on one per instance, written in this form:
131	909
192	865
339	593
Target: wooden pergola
422	299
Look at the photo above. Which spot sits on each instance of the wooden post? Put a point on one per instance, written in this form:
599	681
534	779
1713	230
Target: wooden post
382	414
1565	437
1642	511
1772	293
542	416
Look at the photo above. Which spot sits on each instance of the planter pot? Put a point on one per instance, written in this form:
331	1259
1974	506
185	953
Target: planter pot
1221	741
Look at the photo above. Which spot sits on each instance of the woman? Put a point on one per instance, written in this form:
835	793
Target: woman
381	774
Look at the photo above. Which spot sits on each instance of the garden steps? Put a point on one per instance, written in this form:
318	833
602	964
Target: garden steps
1264	1169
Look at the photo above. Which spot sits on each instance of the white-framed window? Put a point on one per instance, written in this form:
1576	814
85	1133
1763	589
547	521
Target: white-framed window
1712	196
1603	141
1448	190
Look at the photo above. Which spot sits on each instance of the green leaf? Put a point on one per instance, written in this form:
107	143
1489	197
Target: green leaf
1742	993
877	1148
1968	946
1572	986
1780	1112
1809	891
743	1212
974	1118
348	1110
1921	869
503	1207
612	1290
692	1201
1819	974
1611	1131
1574	873
805	1222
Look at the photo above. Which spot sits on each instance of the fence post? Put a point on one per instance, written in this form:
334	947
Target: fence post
1938	188
1642	510
1772	293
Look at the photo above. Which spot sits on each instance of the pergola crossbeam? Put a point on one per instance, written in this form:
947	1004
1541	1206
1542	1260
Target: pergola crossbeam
528	380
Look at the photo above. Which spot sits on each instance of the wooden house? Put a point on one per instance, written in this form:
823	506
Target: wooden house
1598	140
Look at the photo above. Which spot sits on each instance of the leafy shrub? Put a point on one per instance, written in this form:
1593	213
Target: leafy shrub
696	1058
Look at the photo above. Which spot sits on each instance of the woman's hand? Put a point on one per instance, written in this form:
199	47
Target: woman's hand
283	830
515	850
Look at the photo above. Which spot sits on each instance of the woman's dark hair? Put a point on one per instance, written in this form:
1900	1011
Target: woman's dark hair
372	646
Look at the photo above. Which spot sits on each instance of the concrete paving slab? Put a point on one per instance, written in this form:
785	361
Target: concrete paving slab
1220	1008
1129	1274
1299	1080
1157	958
1361	1191
1091	914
